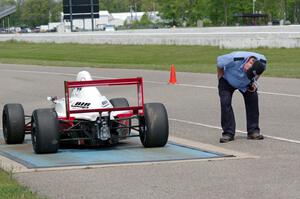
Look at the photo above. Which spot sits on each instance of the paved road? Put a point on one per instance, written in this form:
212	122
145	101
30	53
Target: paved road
193	110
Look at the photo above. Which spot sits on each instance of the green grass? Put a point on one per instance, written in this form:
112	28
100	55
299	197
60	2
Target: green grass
282	62
10	189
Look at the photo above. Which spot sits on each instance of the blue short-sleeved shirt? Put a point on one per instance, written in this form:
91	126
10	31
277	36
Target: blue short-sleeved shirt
233	64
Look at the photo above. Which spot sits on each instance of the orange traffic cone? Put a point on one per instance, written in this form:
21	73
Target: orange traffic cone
172	75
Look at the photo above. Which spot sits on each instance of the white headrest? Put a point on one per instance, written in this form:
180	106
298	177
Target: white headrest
83	76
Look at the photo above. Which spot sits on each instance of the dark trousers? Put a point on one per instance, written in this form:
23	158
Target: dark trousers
227	116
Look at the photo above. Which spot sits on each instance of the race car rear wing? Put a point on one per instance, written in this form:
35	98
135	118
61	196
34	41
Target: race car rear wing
138	81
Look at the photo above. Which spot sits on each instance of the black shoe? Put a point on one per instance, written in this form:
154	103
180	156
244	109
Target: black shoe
226	138
255	136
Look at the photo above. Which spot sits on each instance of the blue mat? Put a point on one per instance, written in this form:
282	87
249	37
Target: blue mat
130	151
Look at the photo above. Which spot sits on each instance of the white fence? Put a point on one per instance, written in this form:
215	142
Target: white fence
223	37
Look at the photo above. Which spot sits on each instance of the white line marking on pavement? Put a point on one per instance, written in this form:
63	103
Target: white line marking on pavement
37	72
152	82
196	123
215	88
239	131
49	73
279	94
184	85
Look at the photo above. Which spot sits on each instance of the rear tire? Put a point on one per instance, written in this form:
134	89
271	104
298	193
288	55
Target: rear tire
120	102
44	133
13	122
155	132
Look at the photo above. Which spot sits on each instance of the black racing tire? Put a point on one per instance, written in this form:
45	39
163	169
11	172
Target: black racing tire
13	122
120	102
155	132
44	132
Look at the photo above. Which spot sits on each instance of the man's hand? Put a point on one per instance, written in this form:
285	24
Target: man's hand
253	87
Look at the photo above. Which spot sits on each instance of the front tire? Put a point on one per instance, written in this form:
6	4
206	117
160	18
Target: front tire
44	133
155	132
13	122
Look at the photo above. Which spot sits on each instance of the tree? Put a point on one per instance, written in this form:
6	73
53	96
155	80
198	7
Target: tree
55	8
174	12
149	5
293	11
145	21
113	5
39	12
195	10
220	12
35	12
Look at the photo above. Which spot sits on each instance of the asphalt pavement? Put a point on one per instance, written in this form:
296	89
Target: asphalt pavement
194	113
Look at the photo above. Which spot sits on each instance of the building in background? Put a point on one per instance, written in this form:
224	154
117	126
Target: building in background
5	13
114	19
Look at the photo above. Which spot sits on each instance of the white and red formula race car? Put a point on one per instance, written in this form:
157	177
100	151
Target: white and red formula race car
85	117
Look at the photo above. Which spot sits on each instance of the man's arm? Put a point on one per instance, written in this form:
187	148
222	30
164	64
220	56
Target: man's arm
222	62
220	72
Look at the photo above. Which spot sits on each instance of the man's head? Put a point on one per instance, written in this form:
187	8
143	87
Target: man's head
254	67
